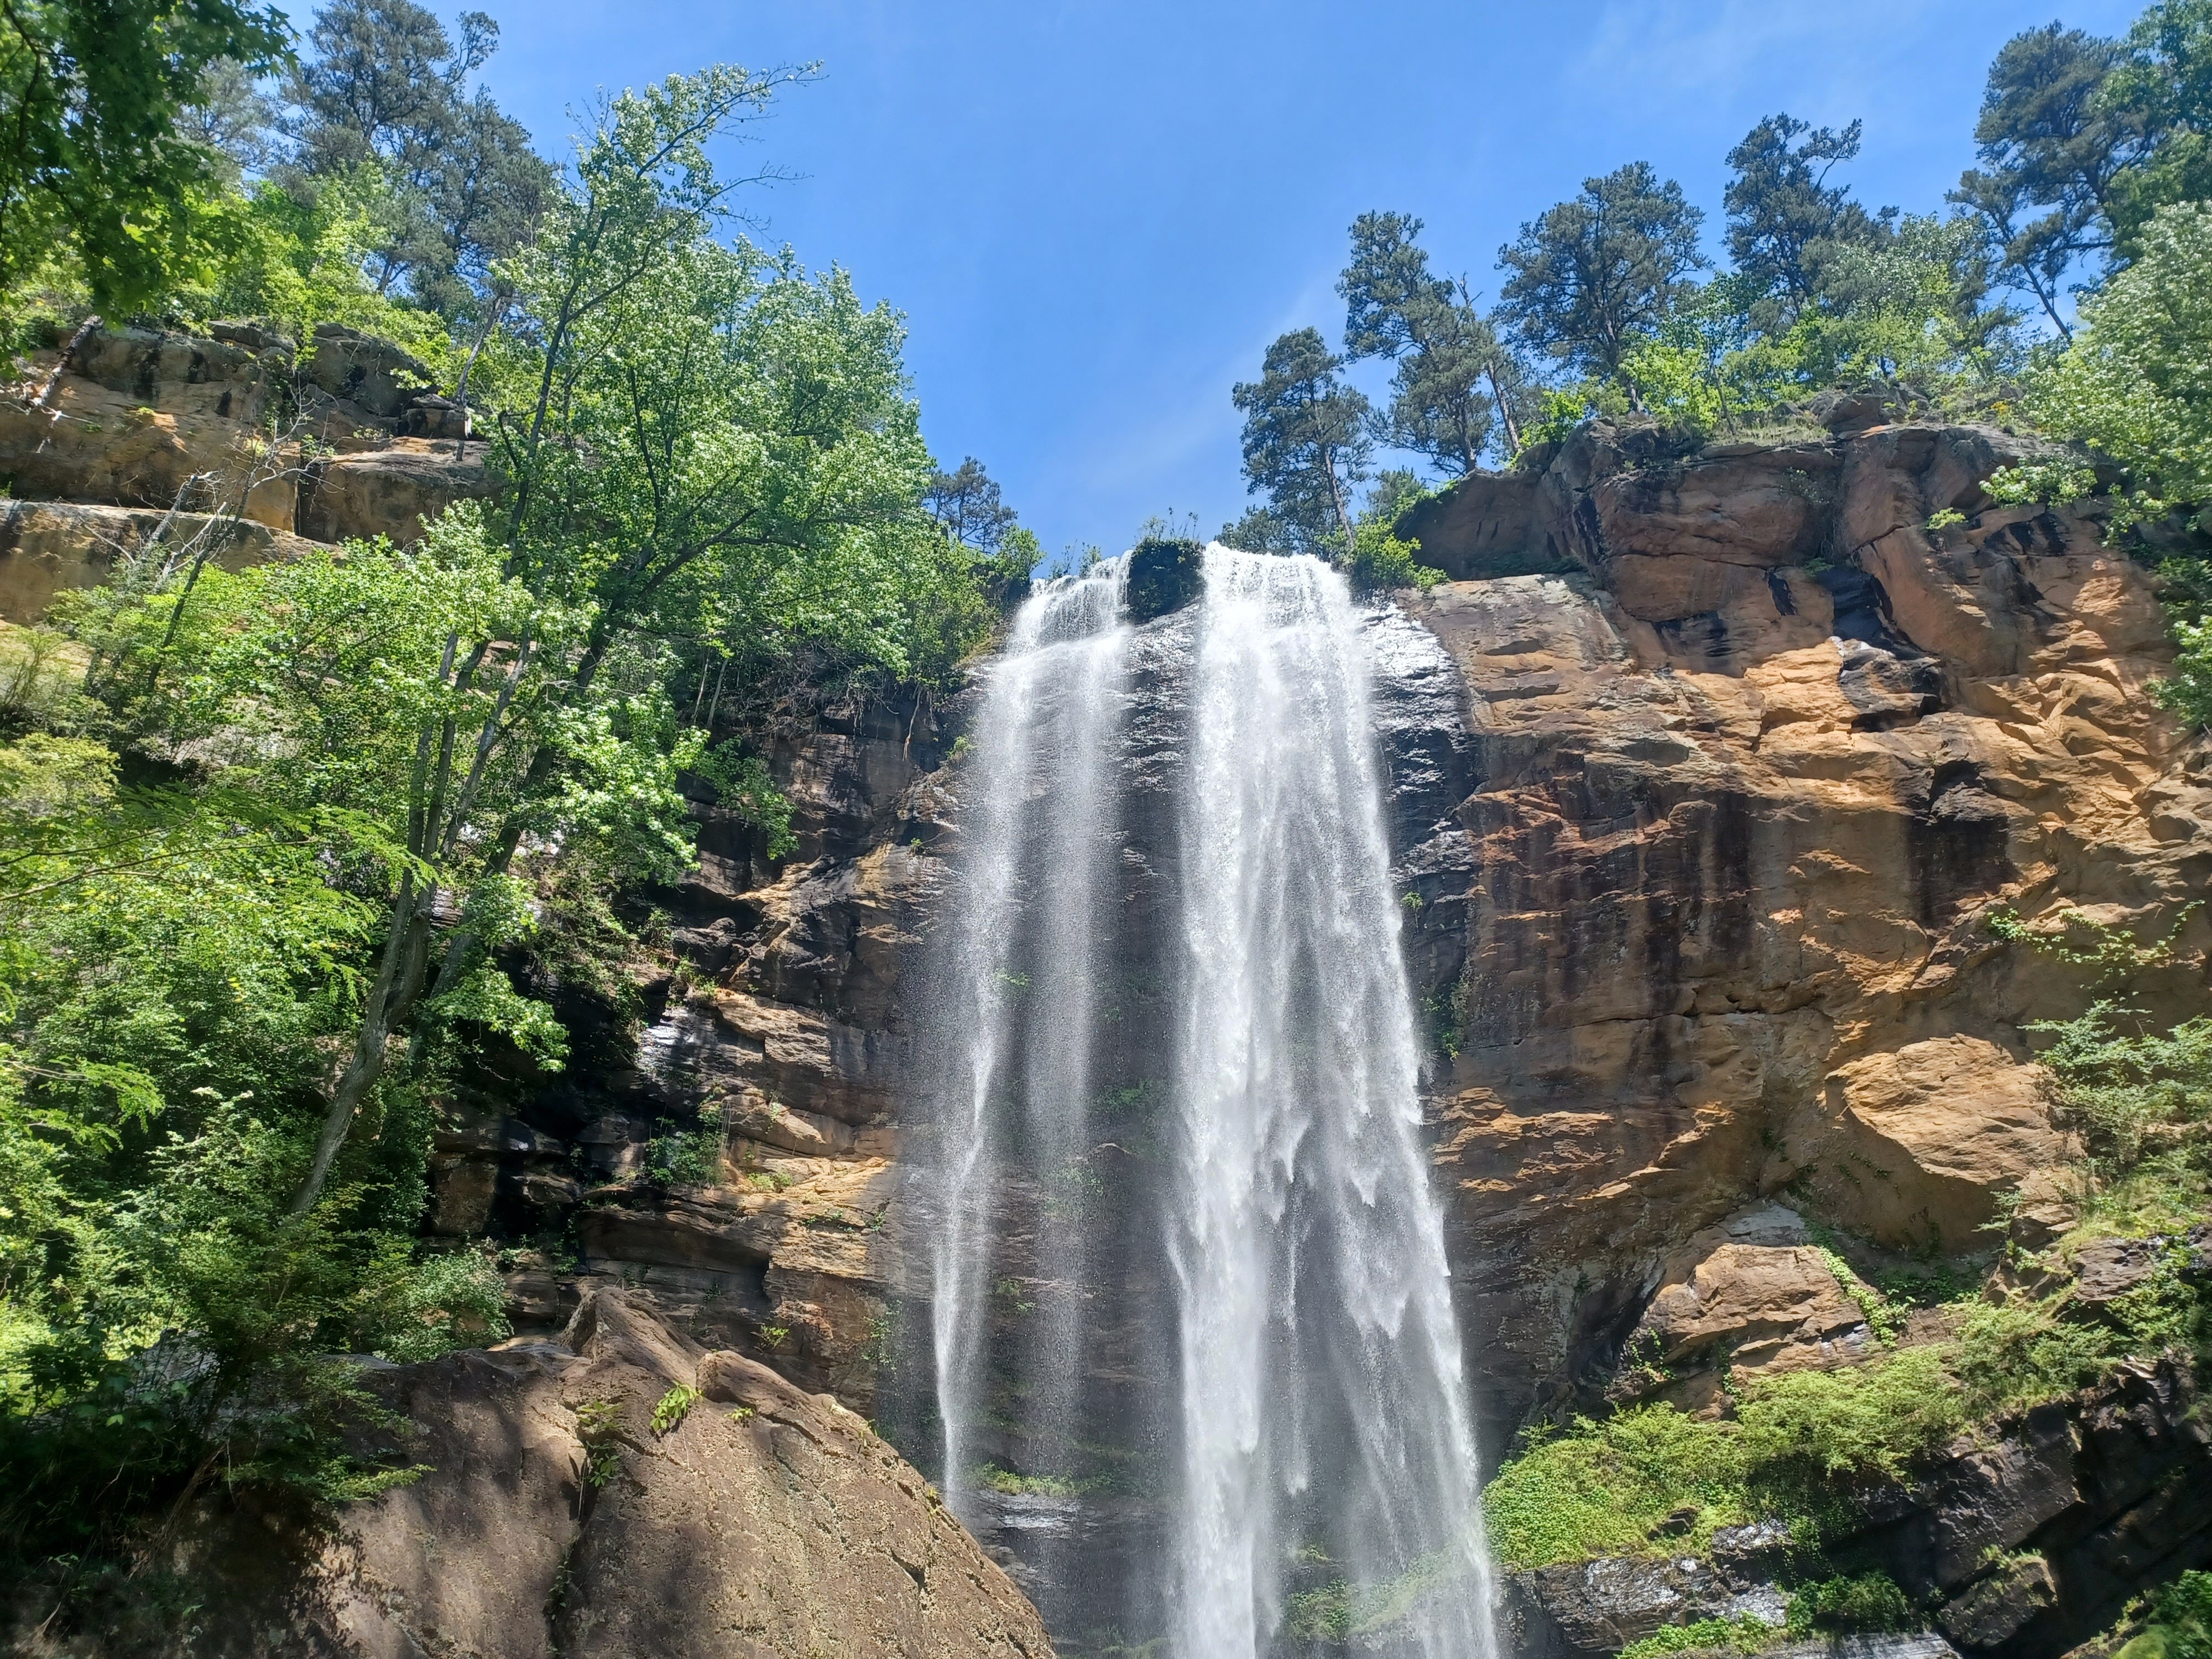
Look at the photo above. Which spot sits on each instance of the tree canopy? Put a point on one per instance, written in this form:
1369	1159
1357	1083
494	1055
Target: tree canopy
1449	388
1305	439
91	93
1589	278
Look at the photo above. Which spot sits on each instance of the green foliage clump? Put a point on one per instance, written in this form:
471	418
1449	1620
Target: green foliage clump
1379	561
744	783
1605	1487
2135	386
420	1309
673	1407
92	97
1851	1605
298	258
599	1425
2181	1614
689	1158
1743	1635
1871	1419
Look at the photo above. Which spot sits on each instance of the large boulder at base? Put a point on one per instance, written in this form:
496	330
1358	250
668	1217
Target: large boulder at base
558	1516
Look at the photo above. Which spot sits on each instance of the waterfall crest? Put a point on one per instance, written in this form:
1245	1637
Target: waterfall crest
1292	1425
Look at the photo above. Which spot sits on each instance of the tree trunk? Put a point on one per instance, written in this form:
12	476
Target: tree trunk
398	981
1504	409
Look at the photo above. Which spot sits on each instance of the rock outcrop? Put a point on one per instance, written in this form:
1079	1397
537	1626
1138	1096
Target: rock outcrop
2025	1544
242	430
1749	774
573	1504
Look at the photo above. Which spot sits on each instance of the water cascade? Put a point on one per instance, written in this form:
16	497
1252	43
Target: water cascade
1196	806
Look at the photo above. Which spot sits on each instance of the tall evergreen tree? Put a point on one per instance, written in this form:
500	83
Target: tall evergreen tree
1591	277
2163	85
1305	439
388	85
1782	208
1449	375
967	503
2053	148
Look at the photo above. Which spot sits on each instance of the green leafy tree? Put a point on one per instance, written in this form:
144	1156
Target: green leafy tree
1452	371
2053	148
2135	387
1305	439
718	442
1782	210
91	97
1590	277
2162	86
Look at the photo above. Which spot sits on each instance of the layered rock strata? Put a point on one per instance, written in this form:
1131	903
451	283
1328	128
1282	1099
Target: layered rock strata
1749	779
245	430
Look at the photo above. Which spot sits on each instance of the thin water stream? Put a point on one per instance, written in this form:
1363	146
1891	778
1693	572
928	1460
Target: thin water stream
1296	1444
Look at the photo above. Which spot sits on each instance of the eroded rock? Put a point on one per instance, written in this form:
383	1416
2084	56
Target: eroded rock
557	1516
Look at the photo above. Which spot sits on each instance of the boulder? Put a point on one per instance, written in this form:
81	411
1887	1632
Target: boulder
1928	1136
371	374
391	490
1751	1296
557	1513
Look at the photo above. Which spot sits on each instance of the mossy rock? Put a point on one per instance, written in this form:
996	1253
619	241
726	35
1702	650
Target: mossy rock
1165	573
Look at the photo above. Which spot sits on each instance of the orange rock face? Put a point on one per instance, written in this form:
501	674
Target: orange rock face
1748	781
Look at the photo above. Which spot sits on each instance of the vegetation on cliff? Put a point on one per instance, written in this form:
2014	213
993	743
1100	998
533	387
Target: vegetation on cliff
2093	177
288	855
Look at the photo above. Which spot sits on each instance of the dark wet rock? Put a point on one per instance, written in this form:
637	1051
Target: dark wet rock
1165	573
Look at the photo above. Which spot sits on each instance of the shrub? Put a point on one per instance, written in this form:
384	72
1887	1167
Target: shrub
1601	1488
689	1158
1869	1419
427	1309
1379	561
1745	1635
1869	1601
674	1406
2182	1613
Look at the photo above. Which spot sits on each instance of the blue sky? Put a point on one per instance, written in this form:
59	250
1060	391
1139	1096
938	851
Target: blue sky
1095	216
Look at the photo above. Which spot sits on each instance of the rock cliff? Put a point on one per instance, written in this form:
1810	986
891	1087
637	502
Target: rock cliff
1708	767
244	435
1747	782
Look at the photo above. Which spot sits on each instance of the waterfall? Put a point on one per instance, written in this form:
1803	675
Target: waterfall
1022	969
1321	1380
1301	1439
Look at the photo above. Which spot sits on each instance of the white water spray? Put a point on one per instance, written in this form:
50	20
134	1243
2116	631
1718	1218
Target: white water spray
1025	928
1323	1405
1320	1433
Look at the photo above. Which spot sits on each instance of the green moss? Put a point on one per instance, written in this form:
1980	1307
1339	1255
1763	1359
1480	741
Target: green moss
1745	1635
1604	1488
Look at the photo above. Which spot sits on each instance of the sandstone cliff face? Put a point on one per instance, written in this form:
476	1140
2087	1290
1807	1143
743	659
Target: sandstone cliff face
244	431
557	1517
1748	779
